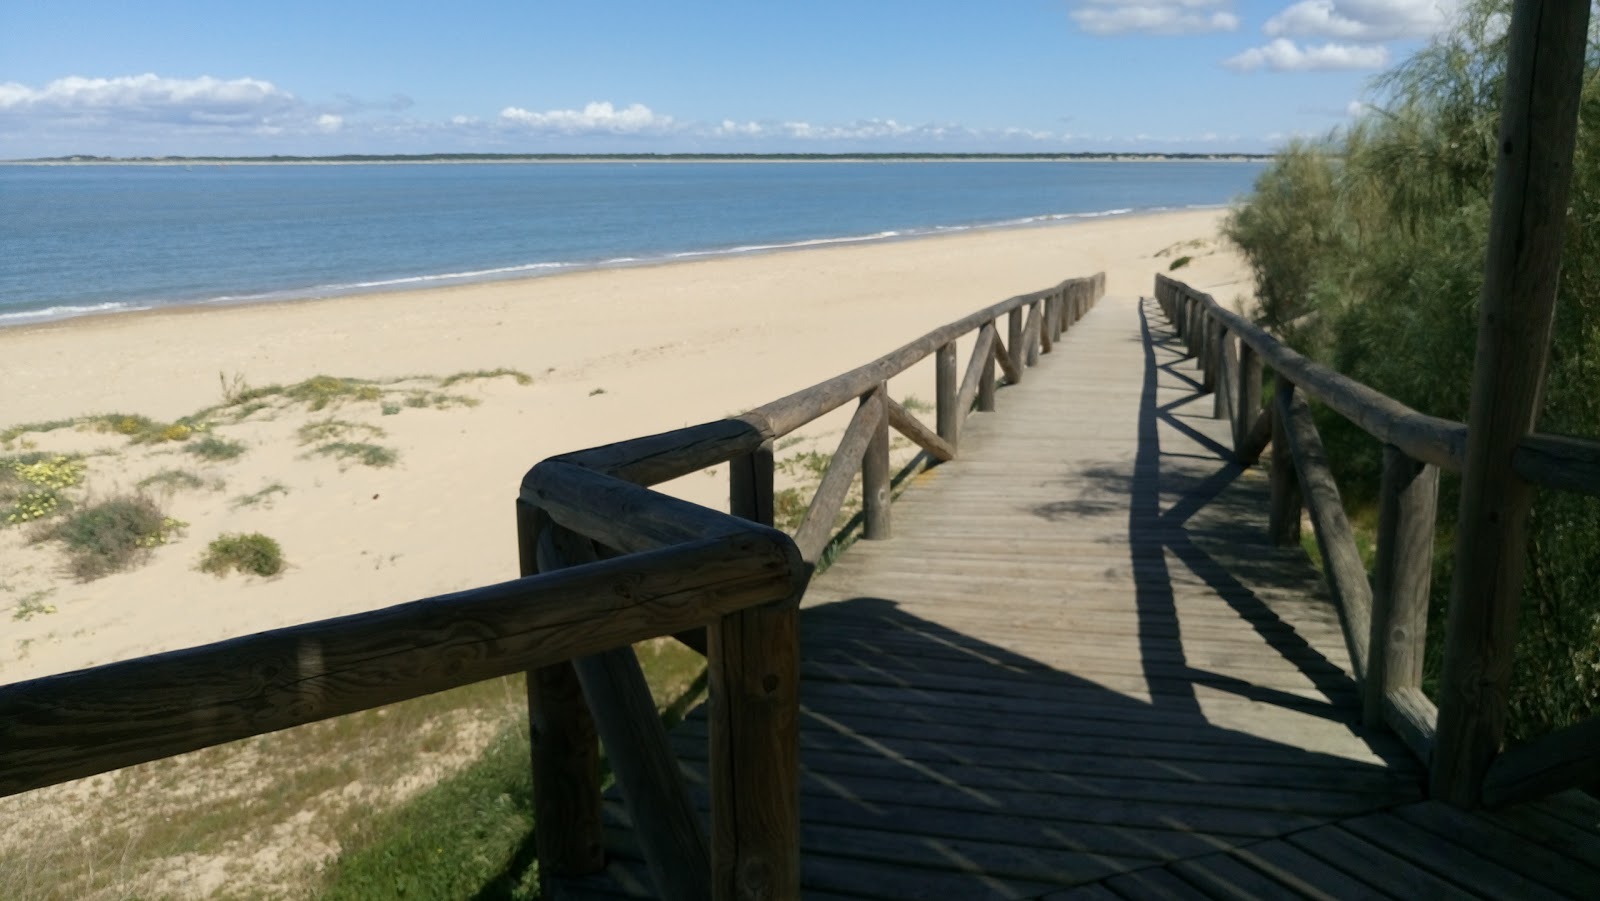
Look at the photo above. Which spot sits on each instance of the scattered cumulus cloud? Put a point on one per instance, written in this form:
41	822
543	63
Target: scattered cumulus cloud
1284	55
329	122
1155	16
599	117
1362	20
204	100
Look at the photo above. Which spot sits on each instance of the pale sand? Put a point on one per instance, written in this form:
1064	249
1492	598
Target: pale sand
671	345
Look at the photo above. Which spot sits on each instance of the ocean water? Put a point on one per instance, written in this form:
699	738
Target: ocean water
76	240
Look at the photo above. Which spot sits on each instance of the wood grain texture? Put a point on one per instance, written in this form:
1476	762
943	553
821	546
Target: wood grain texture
1538	130
1402	575
817	528
910	426
1566	758
875	475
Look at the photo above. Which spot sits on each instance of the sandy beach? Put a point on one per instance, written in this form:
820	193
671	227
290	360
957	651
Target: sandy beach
611	354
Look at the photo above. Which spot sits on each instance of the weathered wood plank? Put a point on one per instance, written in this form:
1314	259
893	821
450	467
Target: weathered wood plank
1567	758
908	425
817	528
1402	575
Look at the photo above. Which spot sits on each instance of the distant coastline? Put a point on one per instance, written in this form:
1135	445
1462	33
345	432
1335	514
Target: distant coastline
370	159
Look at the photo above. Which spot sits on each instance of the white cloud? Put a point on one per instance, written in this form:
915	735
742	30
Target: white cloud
1362	20
1284	55
330	123
1155	16
203	100
595	118
1356	109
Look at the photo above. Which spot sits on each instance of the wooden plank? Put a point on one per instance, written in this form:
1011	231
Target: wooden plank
1224	877
1154	885
1488	840
625	716
1007	360
1442	858
1304	874
1538	130
1402	575
1352	855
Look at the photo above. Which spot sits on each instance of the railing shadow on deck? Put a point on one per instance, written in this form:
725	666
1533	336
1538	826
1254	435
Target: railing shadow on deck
937	764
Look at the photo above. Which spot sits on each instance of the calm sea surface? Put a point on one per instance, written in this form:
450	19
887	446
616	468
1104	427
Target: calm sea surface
85	239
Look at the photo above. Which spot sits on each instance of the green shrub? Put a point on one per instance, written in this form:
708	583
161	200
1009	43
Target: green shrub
112	535
216	449
252	554
366	454
1179	263
173	480
521	378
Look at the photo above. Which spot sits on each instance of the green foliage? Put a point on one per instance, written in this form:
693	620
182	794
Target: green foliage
262	497
366	454
470	836
331	429
521	378
33	485
143	429
112	535
12	433
1368	251
1180	262
216	449
915	404
172	480
252	554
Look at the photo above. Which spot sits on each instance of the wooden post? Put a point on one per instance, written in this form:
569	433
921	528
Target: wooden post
1538	126
1013	343
1222	393
1208	354
875	476
1247	405
1283	517
1047	328
1031	333
754	670
665	823
986	381
948	417
1403	572
565	748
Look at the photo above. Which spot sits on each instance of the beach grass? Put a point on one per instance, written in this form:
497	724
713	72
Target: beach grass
365	453
111	535
216	449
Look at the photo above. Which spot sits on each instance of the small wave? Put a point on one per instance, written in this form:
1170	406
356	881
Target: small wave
68	310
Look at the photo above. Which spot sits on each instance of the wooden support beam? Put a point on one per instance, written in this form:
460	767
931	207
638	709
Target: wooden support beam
1560	461
754	743
1047	331
1014	342
665	823
1538	126
564	747
986	378
1409	713
910	426
947	417
875	474
1007	360
817	529
1567	758
1030	335
1341	561
976	367
1283	515
1407	501
1247	407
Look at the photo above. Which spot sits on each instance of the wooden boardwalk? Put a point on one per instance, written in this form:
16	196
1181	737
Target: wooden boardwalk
1079	670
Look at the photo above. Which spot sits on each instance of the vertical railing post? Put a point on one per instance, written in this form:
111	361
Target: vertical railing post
875	475
986	381
1402	575
945	388
1210	355
1547	49
565	747
1032	332
1013	343
1283	516
753	663
1247	403
1047	329
1225	384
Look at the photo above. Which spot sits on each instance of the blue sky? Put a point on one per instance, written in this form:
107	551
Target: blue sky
288	77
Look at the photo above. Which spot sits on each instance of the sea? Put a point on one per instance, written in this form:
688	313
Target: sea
87	239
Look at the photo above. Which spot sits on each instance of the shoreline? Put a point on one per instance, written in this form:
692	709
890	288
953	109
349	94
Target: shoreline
56	314
567	161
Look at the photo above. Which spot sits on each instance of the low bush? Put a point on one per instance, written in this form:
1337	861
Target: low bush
216	449
112	535
253	554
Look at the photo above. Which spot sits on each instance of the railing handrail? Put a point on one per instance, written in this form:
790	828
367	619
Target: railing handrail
76	724
1384	622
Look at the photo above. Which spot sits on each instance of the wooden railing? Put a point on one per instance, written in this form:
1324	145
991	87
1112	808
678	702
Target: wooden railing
574	508
606	562
1385	619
